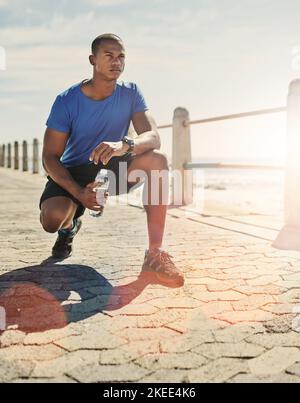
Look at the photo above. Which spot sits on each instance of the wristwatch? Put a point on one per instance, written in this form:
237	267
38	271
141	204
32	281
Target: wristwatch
130	143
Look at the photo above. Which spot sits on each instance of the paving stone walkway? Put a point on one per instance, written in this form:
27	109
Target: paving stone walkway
92	319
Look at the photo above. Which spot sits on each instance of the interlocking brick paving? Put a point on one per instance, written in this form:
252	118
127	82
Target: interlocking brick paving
91	318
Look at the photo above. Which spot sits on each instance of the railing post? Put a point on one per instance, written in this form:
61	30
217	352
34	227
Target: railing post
182	190
25	156
16	155
289	237
35	158
3	156
9	155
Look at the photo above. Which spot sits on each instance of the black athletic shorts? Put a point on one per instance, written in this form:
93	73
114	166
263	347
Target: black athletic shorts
85	174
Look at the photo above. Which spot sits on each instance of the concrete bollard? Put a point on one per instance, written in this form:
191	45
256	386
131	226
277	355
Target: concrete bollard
2	156
182	188
9	155
25	156
289	237
16	155
35	158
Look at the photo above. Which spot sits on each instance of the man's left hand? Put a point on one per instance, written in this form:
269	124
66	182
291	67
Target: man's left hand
105	151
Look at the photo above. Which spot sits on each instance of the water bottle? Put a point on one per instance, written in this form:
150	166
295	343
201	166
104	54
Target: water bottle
102	183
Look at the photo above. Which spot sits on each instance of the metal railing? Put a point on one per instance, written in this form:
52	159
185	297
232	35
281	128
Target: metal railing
186	123
9	159
238	116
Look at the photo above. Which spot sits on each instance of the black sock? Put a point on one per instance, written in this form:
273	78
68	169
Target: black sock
68	230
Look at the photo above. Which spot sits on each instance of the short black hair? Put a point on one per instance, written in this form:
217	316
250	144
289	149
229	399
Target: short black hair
104	37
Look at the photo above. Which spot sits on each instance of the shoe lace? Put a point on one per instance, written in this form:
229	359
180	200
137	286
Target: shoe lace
165	258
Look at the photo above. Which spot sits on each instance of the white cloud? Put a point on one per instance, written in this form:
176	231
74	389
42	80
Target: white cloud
45	69
60	30
6	102
107	3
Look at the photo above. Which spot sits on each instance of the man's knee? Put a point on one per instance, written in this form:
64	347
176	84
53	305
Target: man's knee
52	221
53	216
159	160
144	165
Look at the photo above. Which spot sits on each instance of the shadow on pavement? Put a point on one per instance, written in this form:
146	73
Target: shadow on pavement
45	297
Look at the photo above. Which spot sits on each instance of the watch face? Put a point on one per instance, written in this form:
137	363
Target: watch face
130	142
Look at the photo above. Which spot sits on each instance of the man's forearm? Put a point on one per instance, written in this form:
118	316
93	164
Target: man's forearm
61	176
146	141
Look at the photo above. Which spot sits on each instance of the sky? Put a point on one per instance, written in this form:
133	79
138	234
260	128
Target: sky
213	57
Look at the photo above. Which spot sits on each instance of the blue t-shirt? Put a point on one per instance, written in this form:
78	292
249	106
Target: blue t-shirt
89	123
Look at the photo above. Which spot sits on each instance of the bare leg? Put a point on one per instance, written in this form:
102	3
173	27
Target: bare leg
156	213
157	265
57	213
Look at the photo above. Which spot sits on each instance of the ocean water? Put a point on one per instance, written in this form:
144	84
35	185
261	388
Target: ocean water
223	177
242	191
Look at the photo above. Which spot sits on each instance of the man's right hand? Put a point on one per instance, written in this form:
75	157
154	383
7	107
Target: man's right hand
87	197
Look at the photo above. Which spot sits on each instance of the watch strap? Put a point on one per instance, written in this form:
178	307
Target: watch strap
130	143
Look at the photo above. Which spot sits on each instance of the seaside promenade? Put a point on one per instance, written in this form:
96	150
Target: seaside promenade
91	318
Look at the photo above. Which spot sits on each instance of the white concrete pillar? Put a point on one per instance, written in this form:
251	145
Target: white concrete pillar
181	154
289	237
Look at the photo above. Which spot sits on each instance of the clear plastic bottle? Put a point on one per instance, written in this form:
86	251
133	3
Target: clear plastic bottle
102	184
